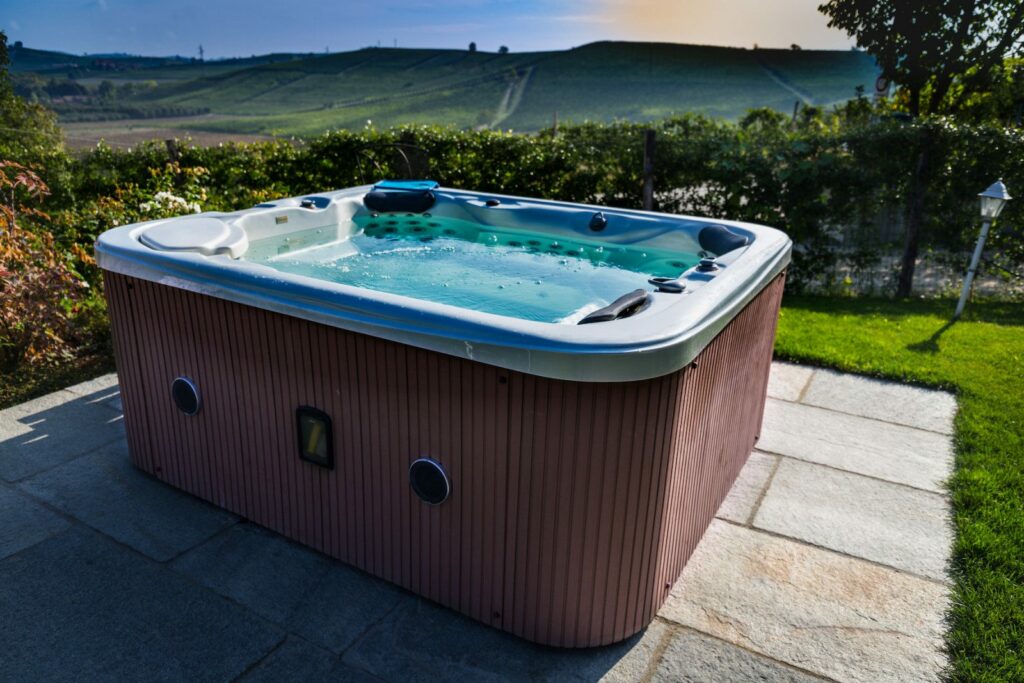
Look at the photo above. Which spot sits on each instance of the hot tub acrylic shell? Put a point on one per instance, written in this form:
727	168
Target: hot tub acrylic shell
577	492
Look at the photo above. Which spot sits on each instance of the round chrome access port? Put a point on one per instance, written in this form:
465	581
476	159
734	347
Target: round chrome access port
429	481
186	395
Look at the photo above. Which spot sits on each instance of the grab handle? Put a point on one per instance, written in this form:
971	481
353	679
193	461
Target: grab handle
623	307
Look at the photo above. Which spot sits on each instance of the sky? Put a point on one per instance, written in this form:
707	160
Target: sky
229	28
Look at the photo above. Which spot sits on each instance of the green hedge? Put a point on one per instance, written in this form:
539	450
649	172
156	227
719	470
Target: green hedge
820	180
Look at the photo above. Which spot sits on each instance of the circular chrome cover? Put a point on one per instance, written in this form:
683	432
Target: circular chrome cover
429	481
186	395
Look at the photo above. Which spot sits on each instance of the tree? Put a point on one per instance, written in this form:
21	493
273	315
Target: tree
106	90
472	47
29	133
940	52
503	50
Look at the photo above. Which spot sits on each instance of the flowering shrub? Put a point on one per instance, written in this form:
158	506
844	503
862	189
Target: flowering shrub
167	203
40	293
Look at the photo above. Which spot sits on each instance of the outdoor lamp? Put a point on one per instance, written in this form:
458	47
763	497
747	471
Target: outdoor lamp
992	202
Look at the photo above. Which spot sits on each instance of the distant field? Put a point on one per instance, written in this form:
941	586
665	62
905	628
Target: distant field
304	95
131	132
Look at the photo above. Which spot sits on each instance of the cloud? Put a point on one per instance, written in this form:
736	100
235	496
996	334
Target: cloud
102	4
14	25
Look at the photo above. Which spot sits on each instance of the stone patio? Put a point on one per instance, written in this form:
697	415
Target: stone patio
827	561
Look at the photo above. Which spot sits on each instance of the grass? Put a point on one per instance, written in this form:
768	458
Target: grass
981	358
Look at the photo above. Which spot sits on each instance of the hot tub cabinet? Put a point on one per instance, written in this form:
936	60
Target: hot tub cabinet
560	478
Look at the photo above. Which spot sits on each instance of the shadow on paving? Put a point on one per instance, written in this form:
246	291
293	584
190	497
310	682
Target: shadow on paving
56	428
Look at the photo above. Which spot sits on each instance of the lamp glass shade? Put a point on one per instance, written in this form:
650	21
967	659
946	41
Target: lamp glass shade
993	200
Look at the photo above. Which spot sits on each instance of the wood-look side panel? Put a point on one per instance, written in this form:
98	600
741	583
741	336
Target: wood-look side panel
574	505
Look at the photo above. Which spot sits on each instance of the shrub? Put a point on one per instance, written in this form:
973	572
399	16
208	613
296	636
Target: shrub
39	292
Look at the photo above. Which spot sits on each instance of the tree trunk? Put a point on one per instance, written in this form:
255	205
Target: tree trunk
915	215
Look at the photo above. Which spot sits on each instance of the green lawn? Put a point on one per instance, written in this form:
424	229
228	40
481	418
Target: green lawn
981	358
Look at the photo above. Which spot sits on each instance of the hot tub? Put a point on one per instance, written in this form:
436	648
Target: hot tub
528	411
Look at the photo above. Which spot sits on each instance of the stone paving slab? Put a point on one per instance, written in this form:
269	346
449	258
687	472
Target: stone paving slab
692	657
888	523
900	403
787	381
856	444
103	389
753	604
297	660
750	485
23	523
421	641
823	612
51	430
78	607
308	593
106	492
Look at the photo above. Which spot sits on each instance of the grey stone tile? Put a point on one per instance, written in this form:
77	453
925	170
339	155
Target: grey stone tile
422	641
892	452
24	523
696	658
103	387
788	380
103	390
889	401
744	494
300	661
887	523
53	429
79	607
310	594
822	612
106	492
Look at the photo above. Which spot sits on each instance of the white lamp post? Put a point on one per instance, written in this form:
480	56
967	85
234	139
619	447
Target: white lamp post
992	202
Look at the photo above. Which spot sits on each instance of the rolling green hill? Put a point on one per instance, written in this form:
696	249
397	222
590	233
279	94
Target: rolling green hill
307	94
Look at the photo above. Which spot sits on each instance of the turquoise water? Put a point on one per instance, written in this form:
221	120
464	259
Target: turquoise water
507	272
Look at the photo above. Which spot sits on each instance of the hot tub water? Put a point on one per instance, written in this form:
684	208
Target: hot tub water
506	272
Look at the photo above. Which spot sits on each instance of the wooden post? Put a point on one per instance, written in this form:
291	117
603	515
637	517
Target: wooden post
648	197
172	150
